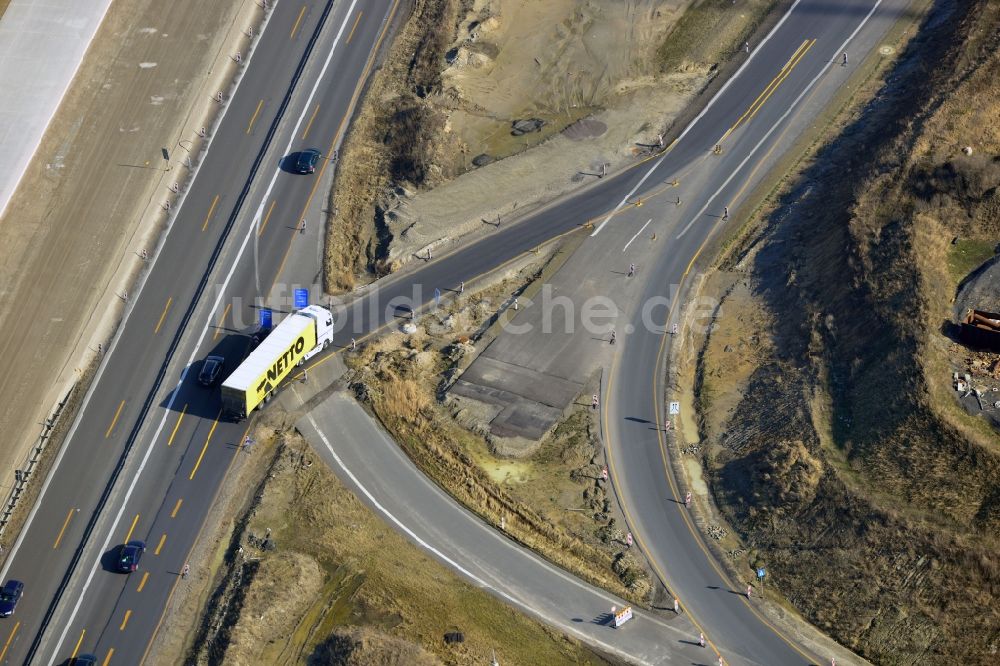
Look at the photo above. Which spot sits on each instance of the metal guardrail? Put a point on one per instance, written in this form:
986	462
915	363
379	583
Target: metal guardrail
24	473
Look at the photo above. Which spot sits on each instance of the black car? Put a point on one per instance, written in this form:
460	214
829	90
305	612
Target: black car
85	660
306	163
128	560
211	369
9	596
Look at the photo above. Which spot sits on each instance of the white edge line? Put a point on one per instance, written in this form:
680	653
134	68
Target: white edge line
711	102
637	234
124	322
173	394
455	565
791	107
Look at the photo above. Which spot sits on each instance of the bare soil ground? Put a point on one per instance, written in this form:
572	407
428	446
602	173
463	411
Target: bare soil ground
303	572
553	500
434	150
829	430
71	235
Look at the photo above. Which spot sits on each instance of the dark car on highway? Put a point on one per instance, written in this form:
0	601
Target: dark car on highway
306	163
128	560
85	660
9	596
211	370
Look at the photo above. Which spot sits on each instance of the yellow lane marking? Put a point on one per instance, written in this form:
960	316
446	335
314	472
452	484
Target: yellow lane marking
79	642
658	419
309	124
173	514
131	529
69	517
128	614
9	639
114	420
785	76
222	320
173	586
107	660
211	209
177	425
159	546
354	27
295	28
350	106
253	118
201	455
357	90
771	87
612	470
166	308
142	583
263	225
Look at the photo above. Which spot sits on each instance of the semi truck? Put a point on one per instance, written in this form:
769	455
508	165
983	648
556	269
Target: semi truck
300	336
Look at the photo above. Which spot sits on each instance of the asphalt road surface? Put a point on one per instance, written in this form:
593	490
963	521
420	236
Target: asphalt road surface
229	242
298	88
378	471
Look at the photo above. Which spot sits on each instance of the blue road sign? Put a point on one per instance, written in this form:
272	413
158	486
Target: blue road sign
265	318
301	298
761	572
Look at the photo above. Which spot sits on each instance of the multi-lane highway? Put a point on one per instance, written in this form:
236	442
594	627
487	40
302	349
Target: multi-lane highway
231	239
763	115
147	454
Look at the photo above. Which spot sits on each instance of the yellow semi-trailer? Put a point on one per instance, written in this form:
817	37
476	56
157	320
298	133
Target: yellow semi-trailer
299	337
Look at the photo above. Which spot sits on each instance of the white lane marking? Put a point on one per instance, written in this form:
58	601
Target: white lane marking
791	107
458	567
251	231
114	341
636	234
708	106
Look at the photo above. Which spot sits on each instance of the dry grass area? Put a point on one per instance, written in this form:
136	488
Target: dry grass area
392	138
686	46
552	501
835	445
597	78
310	575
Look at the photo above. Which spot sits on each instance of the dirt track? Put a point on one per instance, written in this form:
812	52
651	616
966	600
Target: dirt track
90	200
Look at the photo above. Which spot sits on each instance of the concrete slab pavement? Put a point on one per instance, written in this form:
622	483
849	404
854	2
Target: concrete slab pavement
42	44
552	346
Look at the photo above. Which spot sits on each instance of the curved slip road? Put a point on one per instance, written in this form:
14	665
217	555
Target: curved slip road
180	451
377	470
